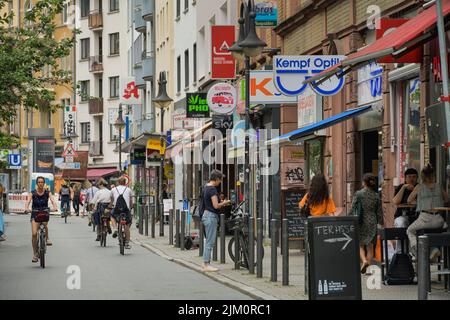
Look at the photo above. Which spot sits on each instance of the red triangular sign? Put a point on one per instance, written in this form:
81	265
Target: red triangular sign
70	151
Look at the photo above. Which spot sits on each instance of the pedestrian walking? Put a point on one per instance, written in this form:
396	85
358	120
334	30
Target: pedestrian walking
318	201
76	200
2	210
367	206
210	217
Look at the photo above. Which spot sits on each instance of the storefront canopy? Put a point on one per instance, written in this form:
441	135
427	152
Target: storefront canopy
310	129
402	40
99	173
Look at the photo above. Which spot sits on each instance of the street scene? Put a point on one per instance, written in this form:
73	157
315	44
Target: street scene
224	150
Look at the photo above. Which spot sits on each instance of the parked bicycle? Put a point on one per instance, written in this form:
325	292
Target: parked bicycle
239	221
42	216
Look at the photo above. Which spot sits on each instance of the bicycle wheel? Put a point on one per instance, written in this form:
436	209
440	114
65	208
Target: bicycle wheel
65	217
121	240
103	239
42	249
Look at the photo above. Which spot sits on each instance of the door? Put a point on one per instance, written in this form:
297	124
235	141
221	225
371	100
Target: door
372	154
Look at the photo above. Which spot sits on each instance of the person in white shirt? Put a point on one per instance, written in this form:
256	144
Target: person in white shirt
101	201
90	193
122	189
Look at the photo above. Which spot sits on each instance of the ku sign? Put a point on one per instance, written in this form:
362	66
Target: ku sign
291	71
263	90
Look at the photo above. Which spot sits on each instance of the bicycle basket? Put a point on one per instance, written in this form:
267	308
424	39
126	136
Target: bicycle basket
233	223
42	216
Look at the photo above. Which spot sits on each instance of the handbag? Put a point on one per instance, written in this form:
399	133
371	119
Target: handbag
198	210
305	211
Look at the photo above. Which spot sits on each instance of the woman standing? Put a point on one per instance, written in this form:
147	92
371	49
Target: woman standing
367	204
2	209
318	198
76	199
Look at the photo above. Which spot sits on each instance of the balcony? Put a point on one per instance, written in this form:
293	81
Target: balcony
147	9
96	148
140	127
138	75
140	25
148	71
96	20
96	64
96	106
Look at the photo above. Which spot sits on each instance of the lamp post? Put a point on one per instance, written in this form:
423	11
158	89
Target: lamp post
162	101
119	125
247	46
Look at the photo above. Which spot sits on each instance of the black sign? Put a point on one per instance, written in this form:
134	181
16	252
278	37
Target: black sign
138	156
222	123
44	155
291	211
333	260
197	105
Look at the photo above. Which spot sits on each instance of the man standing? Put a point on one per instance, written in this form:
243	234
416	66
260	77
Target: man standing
120	206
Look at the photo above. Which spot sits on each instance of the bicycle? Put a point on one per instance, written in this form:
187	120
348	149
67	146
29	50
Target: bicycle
41	217
121	225
66	211
239	221
104	225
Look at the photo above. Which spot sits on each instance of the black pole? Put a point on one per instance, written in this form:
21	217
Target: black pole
120	143
285	276
161	179
247	145
251	246
214	255
141	216
183	226
237	252
423	267
222	238
177	228
171	227
201	243
152	213
146	207
259	251
273	256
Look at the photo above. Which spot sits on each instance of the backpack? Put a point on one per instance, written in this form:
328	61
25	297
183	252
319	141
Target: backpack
401	270
200	208
121	205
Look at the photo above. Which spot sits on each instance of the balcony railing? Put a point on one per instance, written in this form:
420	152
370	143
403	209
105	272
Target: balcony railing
147	9
96	148
140	25
147	66
95	19
96	64
96	106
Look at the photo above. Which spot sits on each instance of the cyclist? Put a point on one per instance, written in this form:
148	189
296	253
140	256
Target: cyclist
89	197
65	195
39	199
99	203
122	192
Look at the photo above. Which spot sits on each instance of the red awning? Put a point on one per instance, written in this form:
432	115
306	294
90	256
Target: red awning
397	43
98	173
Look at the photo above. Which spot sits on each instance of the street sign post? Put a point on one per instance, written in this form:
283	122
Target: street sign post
69	166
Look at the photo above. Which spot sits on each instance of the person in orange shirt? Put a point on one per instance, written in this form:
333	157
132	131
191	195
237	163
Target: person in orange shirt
318	197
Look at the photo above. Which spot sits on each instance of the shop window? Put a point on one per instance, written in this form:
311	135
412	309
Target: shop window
314	158
411	127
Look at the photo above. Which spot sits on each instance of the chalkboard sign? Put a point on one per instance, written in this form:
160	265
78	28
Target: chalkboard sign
291	211
333	260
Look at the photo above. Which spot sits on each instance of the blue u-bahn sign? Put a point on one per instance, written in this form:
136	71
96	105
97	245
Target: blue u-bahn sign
15	161
291	71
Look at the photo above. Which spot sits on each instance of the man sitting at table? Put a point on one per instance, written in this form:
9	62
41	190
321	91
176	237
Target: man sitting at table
402	192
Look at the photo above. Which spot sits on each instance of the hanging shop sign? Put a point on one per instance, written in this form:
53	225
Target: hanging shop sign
197	105
263	90
180	120
223	63
154	144
291	71
129	93
138	156
222	123
370	83
70	120
222	98
310	109
266	13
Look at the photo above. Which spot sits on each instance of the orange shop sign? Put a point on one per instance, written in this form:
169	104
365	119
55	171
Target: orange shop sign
263	90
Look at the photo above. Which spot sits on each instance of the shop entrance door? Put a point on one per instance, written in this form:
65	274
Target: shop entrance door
372	154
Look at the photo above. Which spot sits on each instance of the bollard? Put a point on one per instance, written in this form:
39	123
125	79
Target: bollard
214	254
201	243
152	213
251	246
183	226
285	267
161	220
259	246
177	229
237	252
273	255
171	227
141	218
222	238
145	208
423	267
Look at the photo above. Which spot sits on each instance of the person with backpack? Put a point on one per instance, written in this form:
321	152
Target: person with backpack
317	202
209	213
100	202
367	206
122	198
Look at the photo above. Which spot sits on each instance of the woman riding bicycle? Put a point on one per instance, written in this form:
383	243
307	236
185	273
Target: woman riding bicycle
99	203
39	199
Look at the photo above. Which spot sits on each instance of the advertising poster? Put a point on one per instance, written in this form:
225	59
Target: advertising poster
266	13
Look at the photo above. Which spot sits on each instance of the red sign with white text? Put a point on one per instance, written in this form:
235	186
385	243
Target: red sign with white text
389	25
223	63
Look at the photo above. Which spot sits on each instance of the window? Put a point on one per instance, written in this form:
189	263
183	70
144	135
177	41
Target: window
65	13
84	8
186	69
186	5
113	133
84	90
194	71
85	132
85	48
113	5
314	156
411	124
178	74
114	87
178	8
114	47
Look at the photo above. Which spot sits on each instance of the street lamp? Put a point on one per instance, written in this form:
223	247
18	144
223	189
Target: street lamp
248	45
119	125
162	101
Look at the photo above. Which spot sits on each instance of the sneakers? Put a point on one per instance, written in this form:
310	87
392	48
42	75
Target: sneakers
35	259
127	246
209	268
49	243
434	255
115	234
98	238
2	238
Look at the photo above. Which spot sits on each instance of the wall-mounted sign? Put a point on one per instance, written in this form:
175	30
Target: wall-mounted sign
129	93
138	156
291	71
266	13
310	109
222	123
70	121
197	105
180	120
263	90
222	98
370	83
15	161
223	63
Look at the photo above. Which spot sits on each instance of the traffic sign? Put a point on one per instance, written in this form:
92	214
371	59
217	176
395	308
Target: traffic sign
69	166
15	161
69	159
69	151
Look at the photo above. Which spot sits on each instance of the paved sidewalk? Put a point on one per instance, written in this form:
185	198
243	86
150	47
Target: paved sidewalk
263	288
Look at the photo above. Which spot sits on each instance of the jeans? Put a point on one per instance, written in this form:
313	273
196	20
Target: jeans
210	221
65	204
424	221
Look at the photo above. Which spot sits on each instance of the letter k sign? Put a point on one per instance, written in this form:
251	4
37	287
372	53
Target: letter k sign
254	86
